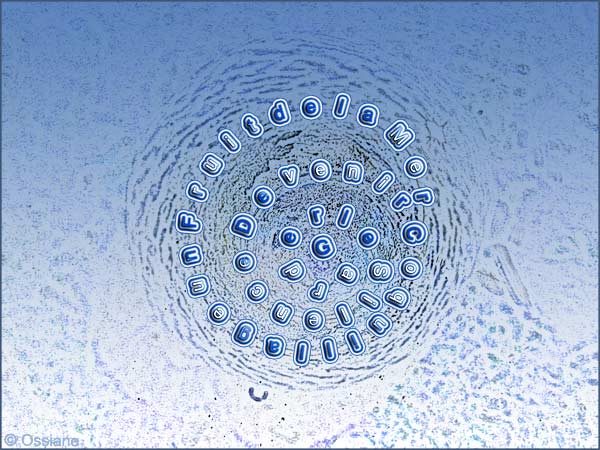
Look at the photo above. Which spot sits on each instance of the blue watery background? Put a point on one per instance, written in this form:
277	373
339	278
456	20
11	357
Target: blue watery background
107	108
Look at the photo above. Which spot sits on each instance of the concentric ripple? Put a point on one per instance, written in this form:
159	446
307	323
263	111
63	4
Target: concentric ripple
247	81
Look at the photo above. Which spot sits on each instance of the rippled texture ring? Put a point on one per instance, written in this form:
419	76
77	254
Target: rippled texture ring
166	179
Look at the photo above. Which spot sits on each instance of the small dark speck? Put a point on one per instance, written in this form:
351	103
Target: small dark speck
523	69
480	112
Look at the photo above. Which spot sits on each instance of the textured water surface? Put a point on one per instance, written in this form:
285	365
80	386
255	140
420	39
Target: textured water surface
106	115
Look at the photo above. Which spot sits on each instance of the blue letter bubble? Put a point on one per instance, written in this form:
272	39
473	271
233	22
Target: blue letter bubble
301	355
281	313
368	238
380	271
289	175
316	215
243	225
187	222
257	291
398	298
320	170
410	268
353	172
196	192
244	262
293	271
329	351
368	300
344	314
198	286
211	165
279	113
190	255
368	115
345	216
290	237
218	313
230	141
355	342
322	247
414	233
273	346
399	135
318	291
244	333
415	167
252	126
400	201
347	274
341	106
311	107
379	324
383	182
263	197
423	196
313	320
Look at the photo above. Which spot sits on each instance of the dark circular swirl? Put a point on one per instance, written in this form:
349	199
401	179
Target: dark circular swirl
248	80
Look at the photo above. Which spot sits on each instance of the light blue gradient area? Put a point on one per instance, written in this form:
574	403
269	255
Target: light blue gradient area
85	355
